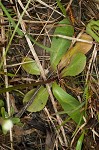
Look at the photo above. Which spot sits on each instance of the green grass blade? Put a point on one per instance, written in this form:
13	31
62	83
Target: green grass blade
62	8
15	26
80	141
10	19
39	44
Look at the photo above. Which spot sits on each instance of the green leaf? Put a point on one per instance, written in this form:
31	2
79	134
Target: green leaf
3	112
28	95
76	66
15	120
1	103
79	47
39	101
30	66
59	45
8	74
80	141
68	103
12	111
11	75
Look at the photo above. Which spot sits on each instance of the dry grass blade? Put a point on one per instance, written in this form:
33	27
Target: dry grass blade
43	3
91	64
20	3
75	39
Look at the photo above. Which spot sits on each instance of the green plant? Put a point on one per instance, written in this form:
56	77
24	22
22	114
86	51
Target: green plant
72	63
7	121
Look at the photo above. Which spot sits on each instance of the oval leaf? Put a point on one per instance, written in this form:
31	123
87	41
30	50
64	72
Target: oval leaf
76	65
28	95
83	47
30	66
15	120
80	47
39	101
68	103
59	45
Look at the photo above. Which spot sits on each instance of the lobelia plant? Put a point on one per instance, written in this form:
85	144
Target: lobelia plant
70	62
